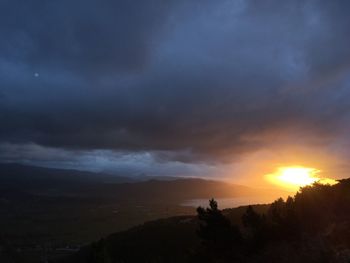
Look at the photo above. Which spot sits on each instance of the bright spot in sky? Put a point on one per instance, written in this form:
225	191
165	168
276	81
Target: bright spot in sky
36	74
297	176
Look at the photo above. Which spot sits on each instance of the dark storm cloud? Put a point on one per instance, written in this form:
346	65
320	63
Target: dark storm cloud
85	36
124	163
181	79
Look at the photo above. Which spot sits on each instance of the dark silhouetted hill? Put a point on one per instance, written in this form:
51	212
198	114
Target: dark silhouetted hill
313	226
17	180
13	174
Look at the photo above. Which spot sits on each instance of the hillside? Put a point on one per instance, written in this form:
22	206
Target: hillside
166	240
313	226
42	207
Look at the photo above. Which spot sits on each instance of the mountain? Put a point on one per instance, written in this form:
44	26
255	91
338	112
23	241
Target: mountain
39	181
12	174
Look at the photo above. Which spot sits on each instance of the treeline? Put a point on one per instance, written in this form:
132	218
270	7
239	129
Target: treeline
312	226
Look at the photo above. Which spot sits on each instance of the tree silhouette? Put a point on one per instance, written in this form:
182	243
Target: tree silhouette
251	219
256	227
99	253
220	239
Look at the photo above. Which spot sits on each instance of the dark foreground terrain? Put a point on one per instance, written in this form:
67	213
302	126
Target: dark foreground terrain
46	214
312	226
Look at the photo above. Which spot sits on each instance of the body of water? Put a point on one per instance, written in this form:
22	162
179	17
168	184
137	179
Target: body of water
231	202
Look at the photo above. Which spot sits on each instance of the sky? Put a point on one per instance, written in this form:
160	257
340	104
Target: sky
219	89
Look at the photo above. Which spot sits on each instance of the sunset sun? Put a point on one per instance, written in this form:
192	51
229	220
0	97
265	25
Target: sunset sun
295	177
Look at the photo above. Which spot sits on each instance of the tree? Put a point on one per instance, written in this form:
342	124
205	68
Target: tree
251	219
256	226
99	253
277	211
220	239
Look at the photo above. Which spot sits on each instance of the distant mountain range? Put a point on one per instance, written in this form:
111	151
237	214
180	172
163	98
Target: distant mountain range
13	173
47	181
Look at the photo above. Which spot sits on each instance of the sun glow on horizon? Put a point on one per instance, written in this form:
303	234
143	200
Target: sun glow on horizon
294	177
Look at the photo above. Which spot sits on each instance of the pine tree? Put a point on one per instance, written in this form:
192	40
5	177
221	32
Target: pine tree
220	239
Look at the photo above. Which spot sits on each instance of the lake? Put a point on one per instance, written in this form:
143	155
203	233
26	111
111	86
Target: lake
231	202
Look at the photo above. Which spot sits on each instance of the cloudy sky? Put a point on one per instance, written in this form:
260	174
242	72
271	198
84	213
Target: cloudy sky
228	88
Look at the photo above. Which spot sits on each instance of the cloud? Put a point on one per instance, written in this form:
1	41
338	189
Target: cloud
187	82
107	161
85	36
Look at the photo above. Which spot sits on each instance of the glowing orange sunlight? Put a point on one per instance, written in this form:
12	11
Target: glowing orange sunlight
294	177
